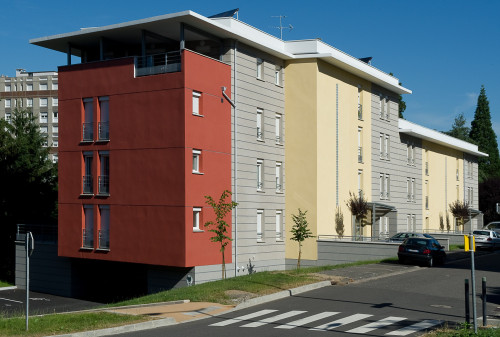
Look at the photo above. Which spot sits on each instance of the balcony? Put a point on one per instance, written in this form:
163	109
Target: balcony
87	239
87	185
103	239
158	64
360	154
360	111
103	185
88	132
103	130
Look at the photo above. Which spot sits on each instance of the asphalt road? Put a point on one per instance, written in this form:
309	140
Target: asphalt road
404	304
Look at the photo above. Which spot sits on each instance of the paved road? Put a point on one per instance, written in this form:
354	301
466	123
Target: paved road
401	305
12	303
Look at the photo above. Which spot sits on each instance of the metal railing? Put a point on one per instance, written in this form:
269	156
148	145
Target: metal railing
278	139
103	130
158	63
87	238
103	239
426	202
360	154
360	111
259	133
103	184
87	185
260	185
41	233
426	168
88	132
278	187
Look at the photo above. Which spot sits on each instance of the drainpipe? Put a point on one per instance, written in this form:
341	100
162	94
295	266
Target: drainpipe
235	165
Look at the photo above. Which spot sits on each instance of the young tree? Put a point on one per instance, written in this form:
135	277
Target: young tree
441	222
28	181
459	129
358	207
220	227
460	210
300	231
339	222
483	135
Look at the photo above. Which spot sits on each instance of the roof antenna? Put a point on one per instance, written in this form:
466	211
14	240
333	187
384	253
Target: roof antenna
290	27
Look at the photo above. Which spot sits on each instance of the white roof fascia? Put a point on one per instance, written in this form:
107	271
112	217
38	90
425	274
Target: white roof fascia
437	137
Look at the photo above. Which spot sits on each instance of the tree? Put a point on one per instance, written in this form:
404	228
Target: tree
28	181
401	103
358	207
460	210
483	135
339	222
300	231
441	222
220	226
489	196
459	129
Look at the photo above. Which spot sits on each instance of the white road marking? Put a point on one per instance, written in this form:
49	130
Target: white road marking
340	322
377	325
306	320
244	317
273	319
6	299
414	328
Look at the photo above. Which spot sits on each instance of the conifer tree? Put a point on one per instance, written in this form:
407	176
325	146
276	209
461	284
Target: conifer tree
483	135
459	129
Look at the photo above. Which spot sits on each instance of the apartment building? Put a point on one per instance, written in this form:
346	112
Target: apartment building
36	91
166	110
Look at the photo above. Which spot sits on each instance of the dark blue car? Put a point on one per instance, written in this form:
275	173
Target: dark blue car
423	250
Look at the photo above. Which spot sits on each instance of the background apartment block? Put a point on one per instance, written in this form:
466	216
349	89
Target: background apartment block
36	91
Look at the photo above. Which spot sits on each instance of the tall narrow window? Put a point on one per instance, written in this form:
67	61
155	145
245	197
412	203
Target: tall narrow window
426	194
260	69
412	189
278	75
381	185
260	168
279	177
103	118
29	102
196	161
408	222
87	173
197	219
104	227
387	108
88	120
381	145
260	223
360	105
408	189
413	222
382	106
458	169
426	154
278	129
196	103
55	101
387	147
387	186
260	124
88	229
104	172
360	183
8	103
458	192
360	145
279	225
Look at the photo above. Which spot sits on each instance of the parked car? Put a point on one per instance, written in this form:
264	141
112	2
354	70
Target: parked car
423	250
493	226
400	237
486	239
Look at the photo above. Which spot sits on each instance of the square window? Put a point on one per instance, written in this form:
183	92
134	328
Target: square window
196	161
44	117
55	117
43	86
44	102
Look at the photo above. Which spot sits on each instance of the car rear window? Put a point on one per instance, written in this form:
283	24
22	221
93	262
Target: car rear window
481	233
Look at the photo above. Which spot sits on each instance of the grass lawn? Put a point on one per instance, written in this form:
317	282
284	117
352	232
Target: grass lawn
63	324
4	284
464	332
456	247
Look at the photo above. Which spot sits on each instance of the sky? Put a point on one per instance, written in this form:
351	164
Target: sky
441	50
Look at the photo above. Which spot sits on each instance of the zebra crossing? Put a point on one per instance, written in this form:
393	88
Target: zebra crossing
254	320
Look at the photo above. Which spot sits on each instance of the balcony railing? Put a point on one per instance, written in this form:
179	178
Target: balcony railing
278	139
87	185
87	238
103	239
158	64
360	154
360	111
260	185
88	132
426	168
426	202
278	186
103	184
103	130
259	133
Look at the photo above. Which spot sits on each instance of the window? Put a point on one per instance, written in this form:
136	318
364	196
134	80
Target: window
103	118
55	158
104	172
260	68
470	196
7	88
278	76
360	183
87	173
55	101
410	153
29	87
55	86
104	227
410	189
55	117
360	145
88	230
197	219
426	154
43	86
384	225
387	146
278	129
44	102
387	108
196	161
279	225
384	185
382	106
196	103
29	102
55	143
279	177
88	124
44	129
260	222
458	169
260	124
426	194
360	105
260	167
384	146
7	103
55	130
7	117
44	117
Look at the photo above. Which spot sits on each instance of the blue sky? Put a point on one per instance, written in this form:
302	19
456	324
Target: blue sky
442	50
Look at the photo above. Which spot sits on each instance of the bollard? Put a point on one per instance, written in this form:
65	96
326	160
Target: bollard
467	309
483	297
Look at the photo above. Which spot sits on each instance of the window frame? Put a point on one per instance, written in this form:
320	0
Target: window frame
259	68
196	161
197	219
260	124
260	175
279	225
196	103
260	225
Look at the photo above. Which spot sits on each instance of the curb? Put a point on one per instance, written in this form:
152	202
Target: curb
8	288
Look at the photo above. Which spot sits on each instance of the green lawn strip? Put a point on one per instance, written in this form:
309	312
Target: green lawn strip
456	247
54	324
465	332
260	283
5	284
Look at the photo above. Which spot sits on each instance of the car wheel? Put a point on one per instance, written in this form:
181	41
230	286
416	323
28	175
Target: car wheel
430	263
